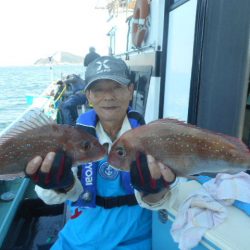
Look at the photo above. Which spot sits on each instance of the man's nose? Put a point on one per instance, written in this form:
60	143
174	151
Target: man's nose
109	92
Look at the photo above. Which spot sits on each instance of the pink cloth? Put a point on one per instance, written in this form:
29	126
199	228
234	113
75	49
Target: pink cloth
227	188
206	209
198	213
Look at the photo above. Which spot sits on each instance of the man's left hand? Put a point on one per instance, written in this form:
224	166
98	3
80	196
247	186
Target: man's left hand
150	176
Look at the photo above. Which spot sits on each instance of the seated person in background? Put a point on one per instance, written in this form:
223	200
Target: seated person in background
73	97
60	87
73	84
68	109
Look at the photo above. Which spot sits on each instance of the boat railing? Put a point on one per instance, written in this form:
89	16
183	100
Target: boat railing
43	102
137	50
18	187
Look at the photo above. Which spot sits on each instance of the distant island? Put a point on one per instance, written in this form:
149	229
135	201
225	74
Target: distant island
60	58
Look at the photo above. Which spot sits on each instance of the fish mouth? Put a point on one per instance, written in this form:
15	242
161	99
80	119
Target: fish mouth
89	161
97	157
114	165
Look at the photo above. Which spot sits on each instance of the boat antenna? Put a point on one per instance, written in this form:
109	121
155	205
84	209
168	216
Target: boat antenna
51	68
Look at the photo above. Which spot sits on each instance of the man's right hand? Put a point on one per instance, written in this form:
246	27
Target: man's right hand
52	172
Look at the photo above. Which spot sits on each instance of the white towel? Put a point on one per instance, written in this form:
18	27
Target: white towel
206	209
227	188
198	213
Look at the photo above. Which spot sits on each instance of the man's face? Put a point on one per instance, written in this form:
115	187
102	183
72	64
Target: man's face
110	99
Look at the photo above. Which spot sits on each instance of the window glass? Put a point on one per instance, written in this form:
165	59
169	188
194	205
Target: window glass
179	60
141	79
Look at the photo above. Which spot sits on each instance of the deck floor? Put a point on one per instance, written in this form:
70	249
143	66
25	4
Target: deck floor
35	226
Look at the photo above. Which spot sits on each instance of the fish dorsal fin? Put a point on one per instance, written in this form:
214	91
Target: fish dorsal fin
233	140
34	118
236	142
170	120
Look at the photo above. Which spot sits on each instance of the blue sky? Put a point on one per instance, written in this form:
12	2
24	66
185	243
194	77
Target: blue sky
31	29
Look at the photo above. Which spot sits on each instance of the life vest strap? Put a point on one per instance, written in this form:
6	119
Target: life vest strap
111	202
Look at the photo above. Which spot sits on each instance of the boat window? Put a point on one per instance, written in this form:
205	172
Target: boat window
176	3
141	79
179	60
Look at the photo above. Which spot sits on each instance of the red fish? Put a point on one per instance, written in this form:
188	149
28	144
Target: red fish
36	134
185	149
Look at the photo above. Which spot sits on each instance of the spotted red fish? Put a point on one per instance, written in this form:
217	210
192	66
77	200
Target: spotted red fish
186	149
36	134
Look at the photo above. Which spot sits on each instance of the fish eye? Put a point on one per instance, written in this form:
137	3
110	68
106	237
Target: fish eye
86	145
120	151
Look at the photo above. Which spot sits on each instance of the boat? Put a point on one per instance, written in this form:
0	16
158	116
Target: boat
21	210
189	60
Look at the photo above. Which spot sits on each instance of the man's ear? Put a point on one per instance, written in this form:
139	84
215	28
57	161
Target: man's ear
131	87
87	93
131	90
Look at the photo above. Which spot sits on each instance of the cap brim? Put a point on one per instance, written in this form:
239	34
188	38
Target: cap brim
120	80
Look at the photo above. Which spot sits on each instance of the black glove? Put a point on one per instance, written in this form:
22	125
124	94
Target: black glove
141	178
60	177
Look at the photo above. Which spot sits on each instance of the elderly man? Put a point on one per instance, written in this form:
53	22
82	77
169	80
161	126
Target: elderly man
104	211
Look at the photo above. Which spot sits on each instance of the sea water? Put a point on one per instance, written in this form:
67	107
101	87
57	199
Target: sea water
16	83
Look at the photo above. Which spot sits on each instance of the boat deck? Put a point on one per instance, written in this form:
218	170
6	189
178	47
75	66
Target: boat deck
35	226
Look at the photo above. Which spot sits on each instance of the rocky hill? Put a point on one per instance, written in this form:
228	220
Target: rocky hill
60	58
